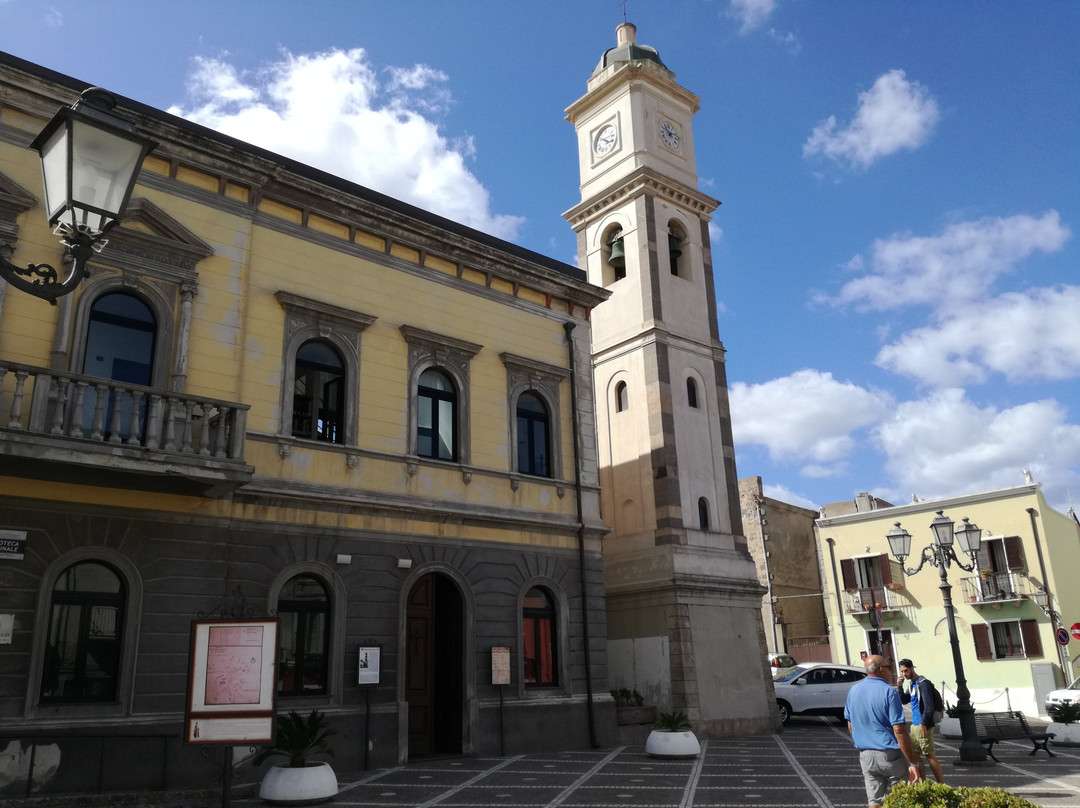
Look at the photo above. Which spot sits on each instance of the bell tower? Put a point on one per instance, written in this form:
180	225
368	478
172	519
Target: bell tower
681	585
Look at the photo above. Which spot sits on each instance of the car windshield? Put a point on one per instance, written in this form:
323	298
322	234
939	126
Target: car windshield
794	673
1075	685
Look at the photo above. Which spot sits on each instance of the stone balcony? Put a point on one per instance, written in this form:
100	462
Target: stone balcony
996	589
72	428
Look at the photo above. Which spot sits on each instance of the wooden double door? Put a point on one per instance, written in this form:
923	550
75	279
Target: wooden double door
434	666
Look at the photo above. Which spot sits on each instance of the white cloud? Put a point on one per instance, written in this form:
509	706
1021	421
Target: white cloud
787	39
946	445
1024	336
954	268
751	14
808	415
329	110
783	494
53	18
894	114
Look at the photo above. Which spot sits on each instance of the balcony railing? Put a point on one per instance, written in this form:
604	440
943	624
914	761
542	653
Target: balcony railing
51	414
860	601
997	587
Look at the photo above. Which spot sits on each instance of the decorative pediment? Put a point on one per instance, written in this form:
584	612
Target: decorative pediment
150	241
14	200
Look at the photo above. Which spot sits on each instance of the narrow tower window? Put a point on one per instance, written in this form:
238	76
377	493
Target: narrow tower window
621	398
615	253
675	239
691	393
703	513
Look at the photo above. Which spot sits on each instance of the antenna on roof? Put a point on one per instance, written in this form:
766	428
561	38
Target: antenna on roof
623	4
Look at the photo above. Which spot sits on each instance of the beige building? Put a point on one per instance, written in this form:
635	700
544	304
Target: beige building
781	539
683	600
1019	591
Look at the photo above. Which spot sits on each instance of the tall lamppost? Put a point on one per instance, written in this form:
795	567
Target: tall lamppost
941	554
90	158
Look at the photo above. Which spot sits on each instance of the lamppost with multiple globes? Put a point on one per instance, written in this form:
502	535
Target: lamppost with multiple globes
90	158
942	554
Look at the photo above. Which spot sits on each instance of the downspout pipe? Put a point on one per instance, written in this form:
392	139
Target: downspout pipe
836	587
1066	670
569	329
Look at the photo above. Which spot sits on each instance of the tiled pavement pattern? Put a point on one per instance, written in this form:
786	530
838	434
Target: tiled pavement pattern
811	764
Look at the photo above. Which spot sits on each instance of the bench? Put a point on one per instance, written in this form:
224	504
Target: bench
1009	726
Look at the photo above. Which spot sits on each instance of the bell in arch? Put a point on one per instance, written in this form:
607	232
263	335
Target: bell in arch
618	254
673	245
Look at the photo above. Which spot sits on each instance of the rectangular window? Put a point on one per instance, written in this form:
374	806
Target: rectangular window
1007	639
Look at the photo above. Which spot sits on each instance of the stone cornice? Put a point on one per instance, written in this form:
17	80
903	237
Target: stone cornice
641	181
928	506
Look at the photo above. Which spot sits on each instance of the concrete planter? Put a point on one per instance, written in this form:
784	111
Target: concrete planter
1065	734
662	743
645	714
302	785
949	728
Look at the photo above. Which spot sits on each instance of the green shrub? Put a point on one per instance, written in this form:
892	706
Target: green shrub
627	698
928	794
1066	713
298	738
673	722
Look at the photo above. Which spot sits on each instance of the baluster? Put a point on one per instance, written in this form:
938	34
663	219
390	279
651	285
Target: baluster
114	421
170	419
153	422
219	435
98	428
204	432
16	398
189	405
75	428
58	412
134	427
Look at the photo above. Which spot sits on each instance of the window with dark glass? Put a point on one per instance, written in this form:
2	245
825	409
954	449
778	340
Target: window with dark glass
538	620
304	626
691	393
703	513
82	652
436	414
120	337
532	435
319	393
621	397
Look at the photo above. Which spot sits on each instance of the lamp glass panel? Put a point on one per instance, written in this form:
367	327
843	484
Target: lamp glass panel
54	162
103	165
899	542
943	530
969	537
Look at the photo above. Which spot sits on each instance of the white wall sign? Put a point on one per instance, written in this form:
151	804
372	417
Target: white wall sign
12	544
369	665
7	628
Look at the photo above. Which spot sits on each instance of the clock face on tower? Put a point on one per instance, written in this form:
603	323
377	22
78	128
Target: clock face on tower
670	135
605	140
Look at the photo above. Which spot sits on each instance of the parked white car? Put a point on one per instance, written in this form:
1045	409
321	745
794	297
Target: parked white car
815	688
1066	695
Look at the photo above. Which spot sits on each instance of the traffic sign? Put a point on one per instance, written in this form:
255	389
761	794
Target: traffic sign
1062	636
1075	630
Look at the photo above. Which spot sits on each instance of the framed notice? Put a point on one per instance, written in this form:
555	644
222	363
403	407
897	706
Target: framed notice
369	661
232	682
500	665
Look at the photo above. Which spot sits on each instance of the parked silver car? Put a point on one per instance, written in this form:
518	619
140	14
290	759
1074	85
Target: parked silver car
1065	695
815	688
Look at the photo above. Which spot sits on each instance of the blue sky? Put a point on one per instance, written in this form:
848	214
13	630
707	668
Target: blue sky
896	252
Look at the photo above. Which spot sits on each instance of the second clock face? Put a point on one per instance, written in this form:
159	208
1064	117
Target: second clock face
605	141
670	135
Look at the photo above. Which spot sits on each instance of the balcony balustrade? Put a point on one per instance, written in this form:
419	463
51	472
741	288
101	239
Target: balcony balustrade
51	415
996	588
861	601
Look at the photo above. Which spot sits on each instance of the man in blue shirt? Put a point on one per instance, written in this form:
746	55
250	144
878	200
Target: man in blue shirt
875	717
921	696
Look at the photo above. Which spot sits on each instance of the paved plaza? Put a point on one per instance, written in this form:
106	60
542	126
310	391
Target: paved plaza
811	763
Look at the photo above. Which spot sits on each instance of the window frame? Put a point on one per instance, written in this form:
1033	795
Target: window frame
132	583
561	626
704	514
300	608
986	644
540	616
437	396
622	396
308	320
524	375
338	606
692	399
342	404
452	356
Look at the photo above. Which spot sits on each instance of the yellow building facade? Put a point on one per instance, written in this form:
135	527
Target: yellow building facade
284	393
1029	556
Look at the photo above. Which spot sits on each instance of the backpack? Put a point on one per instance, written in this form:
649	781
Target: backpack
939	704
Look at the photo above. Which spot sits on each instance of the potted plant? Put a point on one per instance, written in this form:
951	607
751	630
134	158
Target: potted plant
299	781
1066	727
673	737
950	724
630	707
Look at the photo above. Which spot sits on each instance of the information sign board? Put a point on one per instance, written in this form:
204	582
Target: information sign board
370	657
500	665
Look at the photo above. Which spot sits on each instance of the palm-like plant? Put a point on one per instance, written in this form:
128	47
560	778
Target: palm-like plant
299	738
673	722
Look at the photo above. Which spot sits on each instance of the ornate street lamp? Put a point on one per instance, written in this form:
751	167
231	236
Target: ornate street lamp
90	158
942	554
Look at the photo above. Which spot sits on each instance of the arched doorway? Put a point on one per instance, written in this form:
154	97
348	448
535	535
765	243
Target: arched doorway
434	666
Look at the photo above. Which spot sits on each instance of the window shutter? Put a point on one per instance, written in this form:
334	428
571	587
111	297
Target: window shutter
984	557
1014	553
981	633
897	572
847	571
1029	632
886	569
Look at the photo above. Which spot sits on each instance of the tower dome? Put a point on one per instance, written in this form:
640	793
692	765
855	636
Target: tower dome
627	50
